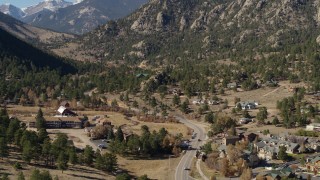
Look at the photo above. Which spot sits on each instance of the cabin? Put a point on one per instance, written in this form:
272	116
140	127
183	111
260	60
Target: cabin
248	105
63	111
232	85
230	140
65	104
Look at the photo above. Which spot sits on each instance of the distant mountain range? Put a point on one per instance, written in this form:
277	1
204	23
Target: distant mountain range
11	10
43	38
77	18
45	6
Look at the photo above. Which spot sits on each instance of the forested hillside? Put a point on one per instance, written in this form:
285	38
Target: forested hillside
201	29
243	40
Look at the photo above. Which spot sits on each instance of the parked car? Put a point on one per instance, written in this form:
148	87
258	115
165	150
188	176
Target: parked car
102	146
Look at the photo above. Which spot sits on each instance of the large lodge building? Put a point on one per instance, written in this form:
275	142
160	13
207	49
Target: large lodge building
57	122
65	119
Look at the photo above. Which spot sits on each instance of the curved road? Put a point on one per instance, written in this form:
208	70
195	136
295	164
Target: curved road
185	162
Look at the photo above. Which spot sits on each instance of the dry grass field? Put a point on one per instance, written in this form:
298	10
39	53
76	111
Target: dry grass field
154	168
74	172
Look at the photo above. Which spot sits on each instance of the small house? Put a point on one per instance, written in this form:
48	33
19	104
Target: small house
65	104
313	127
230	140
244	120
248	105
63	111
232	85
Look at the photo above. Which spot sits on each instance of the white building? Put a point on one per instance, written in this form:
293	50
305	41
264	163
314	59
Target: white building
313	127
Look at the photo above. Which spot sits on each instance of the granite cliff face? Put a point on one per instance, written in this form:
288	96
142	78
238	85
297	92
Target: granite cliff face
202	28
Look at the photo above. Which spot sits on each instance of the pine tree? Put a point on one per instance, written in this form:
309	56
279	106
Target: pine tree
119	135
88	155
40	121
3	147
73	159
62	161
21	176
42	135
14	126
27	152
99	161
111	135
282	155
176	100
46	150
5	177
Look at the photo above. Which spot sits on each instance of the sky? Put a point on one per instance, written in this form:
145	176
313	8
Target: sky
24	3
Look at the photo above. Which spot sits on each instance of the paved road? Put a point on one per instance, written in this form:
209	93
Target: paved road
186	160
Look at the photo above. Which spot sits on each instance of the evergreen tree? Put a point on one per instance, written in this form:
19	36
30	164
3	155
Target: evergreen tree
3	147
209	117
176	100
21	176
27	152
42	135
119	135
37	175
144	177
123	176
62	161
88	155
275	121
14	126
110	162
40	121
46	150
111	135
282	155
99	161
184	107
73	159
5	177
262	115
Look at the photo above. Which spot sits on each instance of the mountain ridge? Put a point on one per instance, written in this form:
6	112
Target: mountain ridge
84	16
205	29
42	38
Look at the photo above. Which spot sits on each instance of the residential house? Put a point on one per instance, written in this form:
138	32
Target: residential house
175	91
244	120
213	102
198	101
250	137
313	164
313	127
317	96
230	140
248	105
141	75
65	104
271	83
313	144
222	151
268	152
278	174
232	85
66	112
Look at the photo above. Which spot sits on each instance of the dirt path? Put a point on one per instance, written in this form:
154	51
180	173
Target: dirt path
271	92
